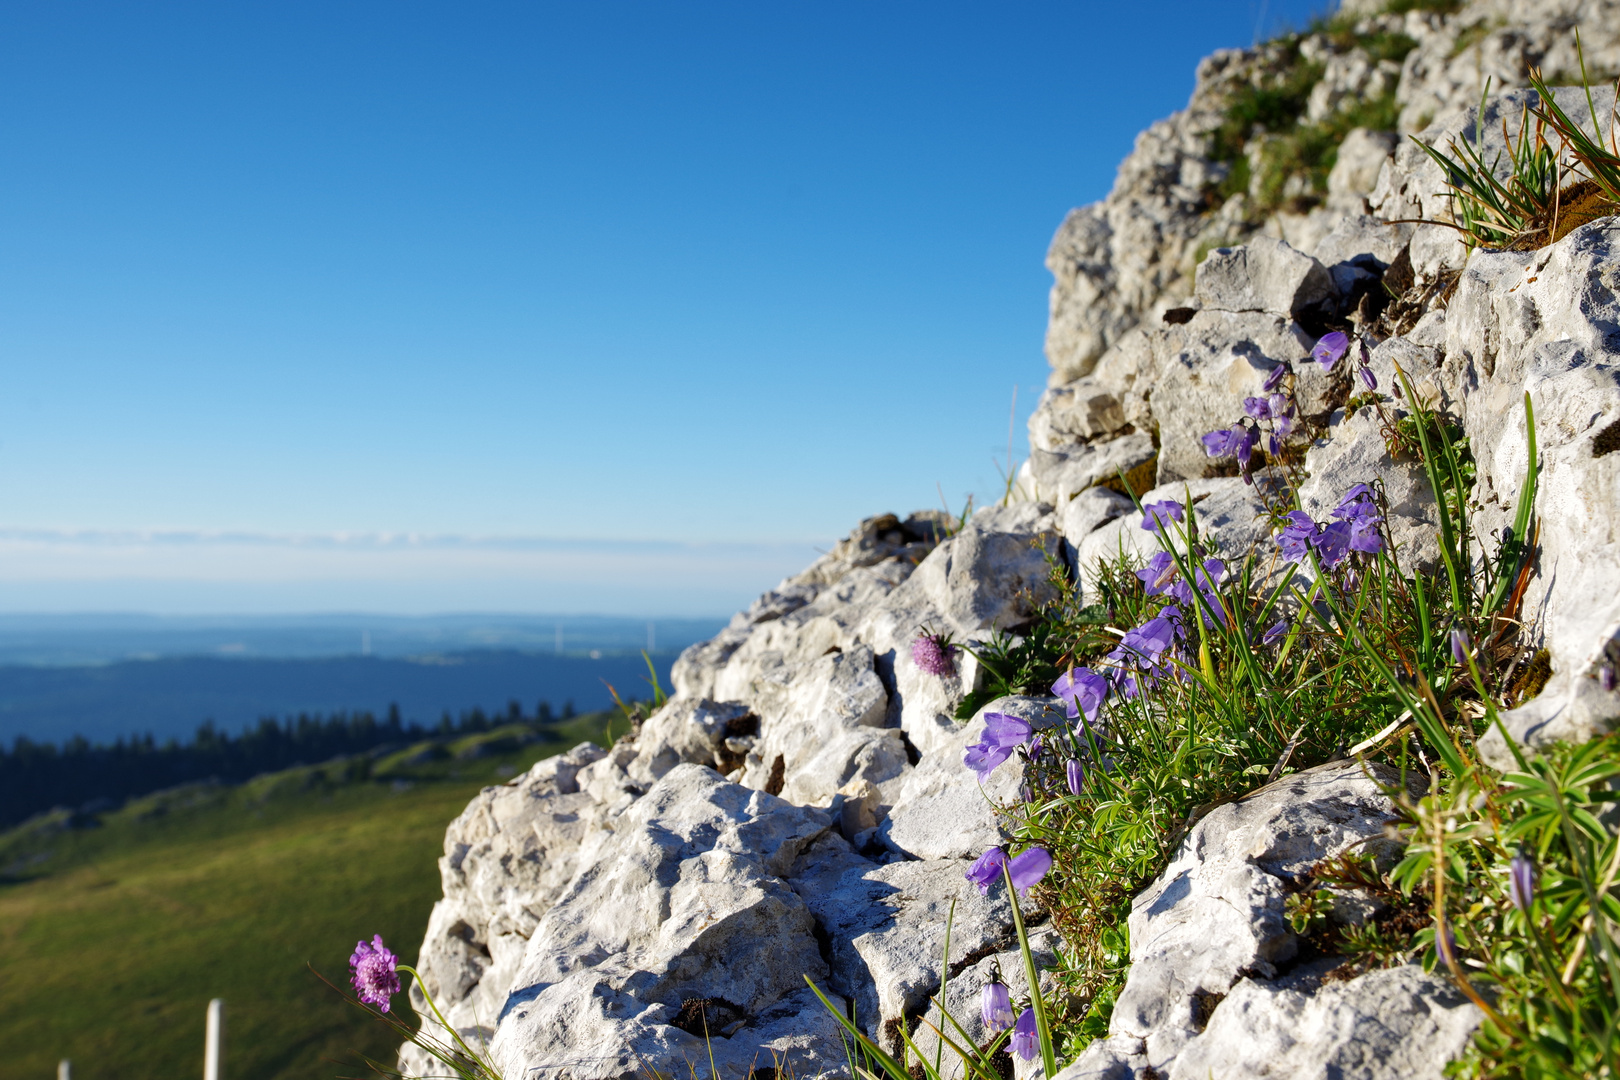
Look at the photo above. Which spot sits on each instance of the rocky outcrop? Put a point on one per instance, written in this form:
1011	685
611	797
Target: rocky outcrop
800	807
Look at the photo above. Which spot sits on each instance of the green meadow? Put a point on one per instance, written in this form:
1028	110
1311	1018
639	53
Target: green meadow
115	933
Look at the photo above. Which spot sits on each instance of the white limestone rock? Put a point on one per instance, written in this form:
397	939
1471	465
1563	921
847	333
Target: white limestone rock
941	811
1264	275
1062	474
685	901
989	577
1214	921
1544	323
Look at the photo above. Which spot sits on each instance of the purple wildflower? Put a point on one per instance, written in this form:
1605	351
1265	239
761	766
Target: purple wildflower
1295	538
1076	777
1002	733
1460	645
995	1005
1368	379
1156	516
1274	378
1446	945
986	869
1606	677
1522	876
1026	1037
1331	349
1158	573
1028	867
1277	630
1333	543
374	972
1083	690
1237	441
1035	747
1282	414
1258	408
933	654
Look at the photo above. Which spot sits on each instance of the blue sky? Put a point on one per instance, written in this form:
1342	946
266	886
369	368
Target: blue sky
463	292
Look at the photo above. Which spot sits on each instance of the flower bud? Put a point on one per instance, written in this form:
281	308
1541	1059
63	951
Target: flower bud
995	1006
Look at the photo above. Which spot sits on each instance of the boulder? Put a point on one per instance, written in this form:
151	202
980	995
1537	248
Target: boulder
1264	275
1211	931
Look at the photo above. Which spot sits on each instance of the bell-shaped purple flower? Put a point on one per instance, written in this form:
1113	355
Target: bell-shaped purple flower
983	756
1257	408
1278	629
1333	543
1083	691
1331	349
1076	777
934	655
374	972
986	869
1368	379
1006	729
1294	539
1026	1036
1460	645
1522	877
1274	378
1028	867
1002	735
1156	516
995	1006
1157	575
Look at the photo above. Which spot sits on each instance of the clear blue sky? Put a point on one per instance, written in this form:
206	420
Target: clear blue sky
284	286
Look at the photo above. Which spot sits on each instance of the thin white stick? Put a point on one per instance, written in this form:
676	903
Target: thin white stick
214	1041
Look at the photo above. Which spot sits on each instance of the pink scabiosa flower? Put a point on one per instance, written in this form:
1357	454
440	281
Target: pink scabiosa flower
374	972
934	654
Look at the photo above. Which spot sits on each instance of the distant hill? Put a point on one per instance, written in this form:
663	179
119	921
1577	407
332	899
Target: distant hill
169	697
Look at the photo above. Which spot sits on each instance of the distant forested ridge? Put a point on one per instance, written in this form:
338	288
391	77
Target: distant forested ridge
80	775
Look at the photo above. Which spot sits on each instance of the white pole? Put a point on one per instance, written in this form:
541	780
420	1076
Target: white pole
64	1070
214	1041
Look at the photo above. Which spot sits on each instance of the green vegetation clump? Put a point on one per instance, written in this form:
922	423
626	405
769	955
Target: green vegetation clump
1208	672
116	930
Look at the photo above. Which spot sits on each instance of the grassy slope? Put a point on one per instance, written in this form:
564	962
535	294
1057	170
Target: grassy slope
110	954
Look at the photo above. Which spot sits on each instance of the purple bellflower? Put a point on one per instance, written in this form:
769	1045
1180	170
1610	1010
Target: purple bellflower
1076	777
1359	509
1157	575
1258	408
995	1006
986	869
1522	875
1156	516
1331	349
1026	1036
1274	378
1368	379
1332	543
933	654
1028	867
1083	691
374	972
1460	645
1296	537
1237	441
1277	630
1002	734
